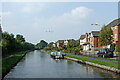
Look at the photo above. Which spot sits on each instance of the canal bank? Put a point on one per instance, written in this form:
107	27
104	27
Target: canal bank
9	62
84	61
106	64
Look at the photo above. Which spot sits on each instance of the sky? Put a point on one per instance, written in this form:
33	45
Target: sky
64	20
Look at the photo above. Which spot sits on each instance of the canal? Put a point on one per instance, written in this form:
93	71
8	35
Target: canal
37	64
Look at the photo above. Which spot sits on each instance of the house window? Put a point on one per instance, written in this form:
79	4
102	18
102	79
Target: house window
115	36
115	27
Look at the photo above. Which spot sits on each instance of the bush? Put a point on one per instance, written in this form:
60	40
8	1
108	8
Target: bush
112	47
116	48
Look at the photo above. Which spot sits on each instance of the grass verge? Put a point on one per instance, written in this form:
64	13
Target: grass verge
96	62
100	58
7	64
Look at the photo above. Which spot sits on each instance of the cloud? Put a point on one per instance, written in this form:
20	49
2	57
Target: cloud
32	8
79	12
70	24
77	15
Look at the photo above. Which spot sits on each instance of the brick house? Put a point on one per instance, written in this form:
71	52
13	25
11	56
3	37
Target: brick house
60	43
94	39
115	25
89	40
82	40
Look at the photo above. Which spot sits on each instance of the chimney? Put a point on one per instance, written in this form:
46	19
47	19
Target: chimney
86	36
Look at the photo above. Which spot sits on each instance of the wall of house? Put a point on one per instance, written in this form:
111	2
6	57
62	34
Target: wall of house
95	42
86	47
119	34
86	36
82	41
60	44
116	31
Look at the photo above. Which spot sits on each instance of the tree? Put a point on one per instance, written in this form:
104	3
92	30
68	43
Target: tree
71	44
50	44
20	38
10	44
41	44
116	48
105	36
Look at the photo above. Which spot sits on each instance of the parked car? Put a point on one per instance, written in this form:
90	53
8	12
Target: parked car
106	53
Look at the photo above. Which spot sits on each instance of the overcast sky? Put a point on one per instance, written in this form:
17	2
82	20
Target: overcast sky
65	20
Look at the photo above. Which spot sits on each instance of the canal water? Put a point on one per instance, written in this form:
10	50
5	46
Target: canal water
37	64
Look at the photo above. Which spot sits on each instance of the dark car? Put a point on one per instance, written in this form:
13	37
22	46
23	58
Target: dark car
106	53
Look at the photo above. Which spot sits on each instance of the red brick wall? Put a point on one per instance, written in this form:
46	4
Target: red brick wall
95	42
86	35
116	31
119	34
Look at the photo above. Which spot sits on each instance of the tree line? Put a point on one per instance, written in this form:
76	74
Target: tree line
10	43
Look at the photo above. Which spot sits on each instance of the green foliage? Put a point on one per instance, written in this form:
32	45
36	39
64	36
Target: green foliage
105	36
11	44
41	44
10	62
72	47
20	38
116	48
50	44
112	47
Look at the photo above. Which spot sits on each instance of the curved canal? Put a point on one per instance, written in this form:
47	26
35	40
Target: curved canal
37	64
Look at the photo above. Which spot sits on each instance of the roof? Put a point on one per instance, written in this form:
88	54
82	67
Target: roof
95	33
82	36
114	23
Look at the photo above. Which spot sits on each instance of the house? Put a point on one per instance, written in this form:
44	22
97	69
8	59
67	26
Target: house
93	37
115	25
84	42
89	40
60	43
82	39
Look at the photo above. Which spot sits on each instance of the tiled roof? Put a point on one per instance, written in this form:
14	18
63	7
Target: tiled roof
95	33
82	36
114	23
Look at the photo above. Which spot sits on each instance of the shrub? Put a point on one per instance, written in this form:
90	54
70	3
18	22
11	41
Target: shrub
116	48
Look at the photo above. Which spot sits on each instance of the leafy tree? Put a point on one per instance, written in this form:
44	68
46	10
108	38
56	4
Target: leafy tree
20	38
50	44
10	44
105	36
41	44
116	48
71	44
112	47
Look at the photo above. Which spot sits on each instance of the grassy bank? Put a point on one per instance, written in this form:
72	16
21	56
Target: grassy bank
7	64
100	58
96	62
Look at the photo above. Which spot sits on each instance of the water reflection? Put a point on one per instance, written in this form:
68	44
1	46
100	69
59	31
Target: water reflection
40	65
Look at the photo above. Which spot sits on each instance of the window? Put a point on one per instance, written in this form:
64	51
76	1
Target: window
115	36
115	27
